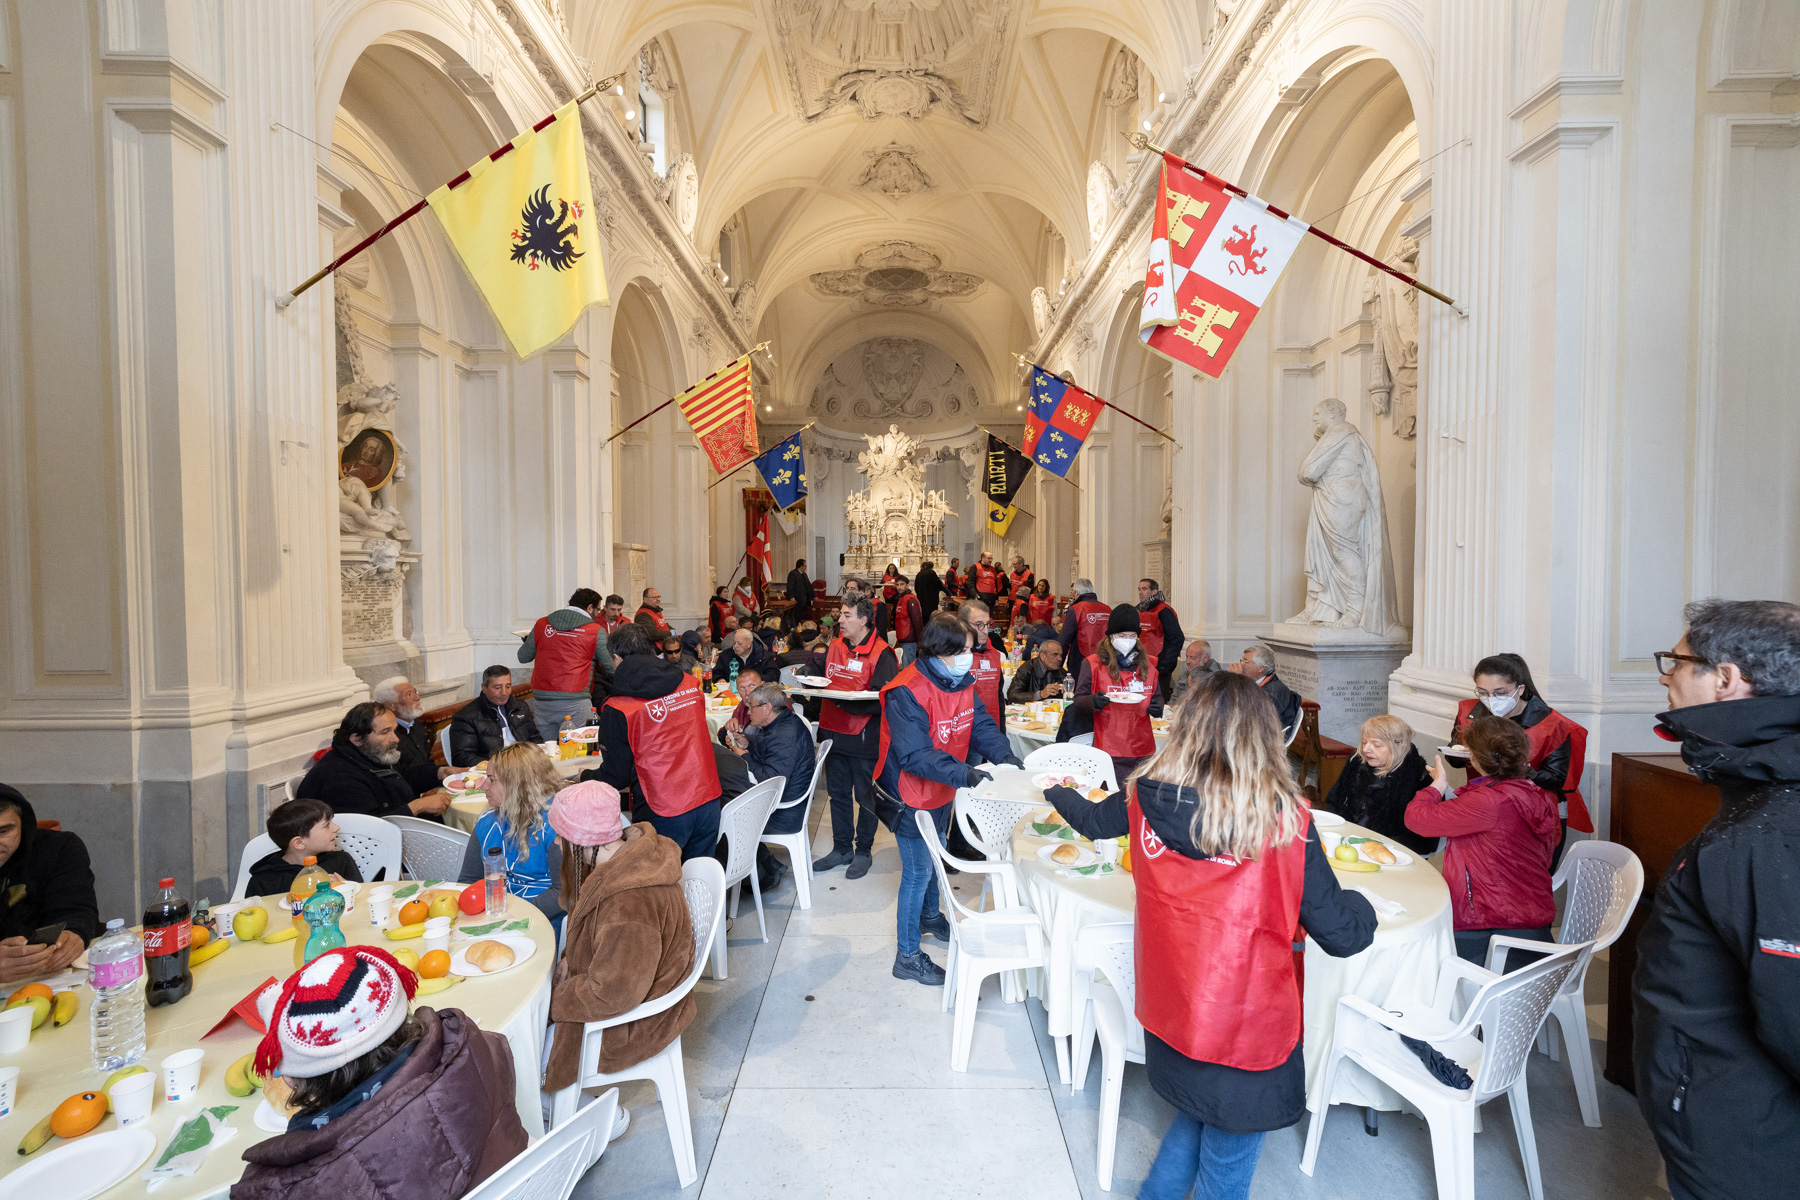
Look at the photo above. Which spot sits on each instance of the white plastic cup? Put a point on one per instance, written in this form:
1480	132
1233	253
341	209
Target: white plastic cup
133	1095
9	1086
181	1075
1109	849
381	906
437	934
15	1029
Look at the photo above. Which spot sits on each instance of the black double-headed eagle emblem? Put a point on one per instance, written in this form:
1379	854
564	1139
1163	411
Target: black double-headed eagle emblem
542	237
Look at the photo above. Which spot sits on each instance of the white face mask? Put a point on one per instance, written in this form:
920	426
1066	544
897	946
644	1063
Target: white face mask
1500	705
1125	646
960	664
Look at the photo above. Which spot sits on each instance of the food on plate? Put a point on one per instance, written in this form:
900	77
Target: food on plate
275	1091
39	1004
1097	794
1379	852
481	768
1345	852
248	923
414	912
78	1114
435	964
63	1008
473	899
1053	818
122	1073
489	956
1357	865
1066	854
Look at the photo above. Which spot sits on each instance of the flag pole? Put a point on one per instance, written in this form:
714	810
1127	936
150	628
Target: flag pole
683	392
1147	425
1142	142
287	298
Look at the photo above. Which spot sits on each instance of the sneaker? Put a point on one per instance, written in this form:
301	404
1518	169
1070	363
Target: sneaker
859	866
621	1123
919	968
938	927
836	858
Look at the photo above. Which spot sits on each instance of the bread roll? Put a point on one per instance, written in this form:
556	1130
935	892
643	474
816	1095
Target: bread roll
1097	794
489	956
1066	854
1379	853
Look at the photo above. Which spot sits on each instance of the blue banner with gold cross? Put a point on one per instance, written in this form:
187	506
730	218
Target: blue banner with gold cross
1058	421
784	470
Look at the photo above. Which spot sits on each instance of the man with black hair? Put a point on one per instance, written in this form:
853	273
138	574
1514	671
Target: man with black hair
613	615
1160	634
859	660
929	588
568	646
1717	1026
494	719
800	591
361	773
45	880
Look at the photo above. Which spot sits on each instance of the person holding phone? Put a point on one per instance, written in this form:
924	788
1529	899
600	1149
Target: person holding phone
48	911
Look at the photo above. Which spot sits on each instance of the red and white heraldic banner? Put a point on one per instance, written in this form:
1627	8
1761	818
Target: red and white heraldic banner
1213	259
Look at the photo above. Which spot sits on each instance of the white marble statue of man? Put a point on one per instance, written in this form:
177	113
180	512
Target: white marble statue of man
1349	576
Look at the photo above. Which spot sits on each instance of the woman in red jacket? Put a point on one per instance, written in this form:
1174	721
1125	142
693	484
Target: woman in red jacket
1229	870
1502	829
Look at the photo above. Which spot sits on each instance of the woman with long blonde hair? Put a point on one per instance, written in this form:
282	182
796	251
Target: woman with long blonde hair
1227	866
1117	687
520	785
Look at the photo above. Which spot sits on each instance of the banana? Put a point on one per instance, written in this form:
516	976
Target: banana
63	1008
431	987
285	934
402	932
241	1078
1358	866
40	1133
211	950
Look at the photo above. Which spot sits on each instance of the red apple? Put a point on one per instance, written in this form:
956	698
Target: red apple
473	899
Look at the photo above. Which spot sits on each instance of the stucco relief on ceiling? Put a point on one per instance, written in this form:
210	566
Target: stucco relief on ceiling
896	275
893	171
893	378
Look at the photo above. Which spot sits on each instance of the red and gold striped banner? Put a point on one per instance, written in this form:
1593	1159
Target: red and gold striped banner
721	411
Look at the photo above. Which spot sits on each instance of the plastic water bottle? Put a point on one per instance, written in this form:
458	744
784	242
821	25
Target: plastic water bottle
116	1017
494	875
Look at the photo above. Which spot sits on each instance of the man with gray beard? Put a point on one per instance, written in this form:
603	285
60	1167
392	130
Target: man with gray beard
361	773
400	697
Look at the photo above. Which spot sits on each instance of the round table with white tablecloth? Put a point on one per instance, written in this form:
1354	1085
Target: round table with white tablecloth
514	1003
467	805
1399	970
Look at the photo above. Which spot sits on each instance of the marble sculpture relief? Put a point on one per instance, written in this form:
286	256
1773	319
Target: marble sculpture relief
1349	574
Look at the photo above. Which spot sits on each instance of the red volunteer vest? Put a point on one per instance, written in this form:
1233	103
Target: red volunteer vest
717	610
1123	730
952	581
1215	949
849	670
952	717
887	588
656	618
904	630
988	678
1150	634
1544	738
668	736
565	658
1041	609
1091	617
1021	582
609	624
987	580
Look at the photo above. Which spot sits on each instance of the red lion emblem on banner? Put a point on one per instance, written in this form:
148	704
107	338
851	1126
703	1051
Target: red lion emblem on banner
1243	246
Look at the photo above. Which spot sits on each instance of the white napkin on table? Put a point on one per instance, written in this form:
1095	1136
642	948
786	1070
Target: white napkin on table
1381	904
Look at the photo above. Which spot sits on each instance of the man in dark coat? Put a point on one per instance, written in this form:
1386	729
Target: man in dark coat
1042	678
743	649
45	880
1259	664
494	719
779	743
361	773
929	588
1717	1027
800	591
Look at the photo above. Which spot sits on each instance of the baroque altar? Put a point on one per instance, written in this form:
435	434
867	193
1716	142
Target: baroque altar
894	519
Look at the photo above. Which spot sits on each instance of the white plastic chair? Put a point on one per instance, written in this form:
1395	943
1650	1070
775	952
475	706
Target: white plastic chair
1508	1010
1604	881
374	844
257	847
981	943
429	850
1110	1012
987	823
741	824
799	843
550	1169
703	883
1069	756
444	745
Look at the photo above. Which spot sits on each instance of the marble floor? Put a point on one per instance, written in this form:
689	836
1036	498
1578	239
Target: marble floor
812	1072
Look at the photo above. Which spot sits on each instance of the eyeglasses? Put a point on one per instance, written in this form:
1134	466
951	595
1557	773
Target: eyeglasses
1666	660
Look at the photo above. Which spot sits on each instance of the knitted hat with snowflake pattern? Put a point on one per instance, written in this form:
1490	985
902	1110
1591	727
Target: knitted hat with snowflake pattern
334	1010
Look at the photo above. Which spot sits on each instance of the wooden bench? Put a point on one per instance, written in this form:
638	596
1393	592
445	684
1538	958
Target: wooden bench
1318	760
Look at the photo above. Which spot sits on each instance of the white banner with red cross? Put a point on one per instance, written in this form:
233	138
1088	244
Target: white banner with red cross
1213	259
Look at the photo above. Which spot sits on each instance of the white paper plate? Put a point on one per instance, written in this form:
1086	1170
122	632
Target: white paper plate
1326	820
522	948
267	1119
1123	697
1050	779
465	782
1088	857
813	681
1401	857
83	1168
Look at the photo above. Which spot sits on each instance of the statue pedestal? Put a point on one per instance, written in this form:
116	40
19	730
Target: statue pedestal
372	592
1345	670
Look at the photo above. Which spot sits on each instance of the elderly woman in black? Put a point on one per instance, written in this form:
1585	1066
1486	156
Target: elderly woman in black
1380	780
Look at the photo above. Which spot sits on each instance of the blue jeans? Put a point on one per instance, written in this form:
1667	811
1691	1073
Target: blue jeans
918	879
1216	1164
695	832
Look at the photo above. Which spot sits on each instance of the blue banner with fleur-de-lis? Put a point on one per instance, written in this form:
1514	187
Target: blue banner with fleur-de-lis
1058	421
784	470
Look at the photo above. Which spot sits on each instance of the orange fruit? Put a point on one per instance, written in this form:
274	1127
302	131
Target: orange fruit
32	989
435	964
199	937
78	1114
413	912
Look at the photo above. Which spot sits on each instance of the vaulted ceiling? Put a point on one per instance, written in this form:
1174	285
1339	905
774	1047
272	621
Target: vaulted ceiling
894	168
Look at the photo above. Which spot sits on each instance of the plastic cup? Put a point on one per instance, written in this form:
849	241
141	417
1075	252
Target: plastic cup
133	1095
15	1029
437	934
381	906
1109	850
9	1085
181	1075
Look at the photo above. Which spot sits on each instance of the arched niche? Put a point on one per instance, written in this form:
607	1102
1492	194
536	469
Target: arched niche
647	369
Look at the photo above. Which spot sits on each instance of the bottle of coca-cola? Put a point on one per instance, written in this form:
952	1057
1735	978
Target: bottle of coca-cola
167	933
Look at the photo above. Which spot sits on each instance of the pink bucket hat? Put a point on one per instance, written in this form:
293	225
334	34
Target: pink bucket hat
587	814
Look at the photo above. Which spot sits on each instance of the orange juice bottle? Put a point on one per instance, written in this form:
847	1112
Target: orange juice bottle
306	882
